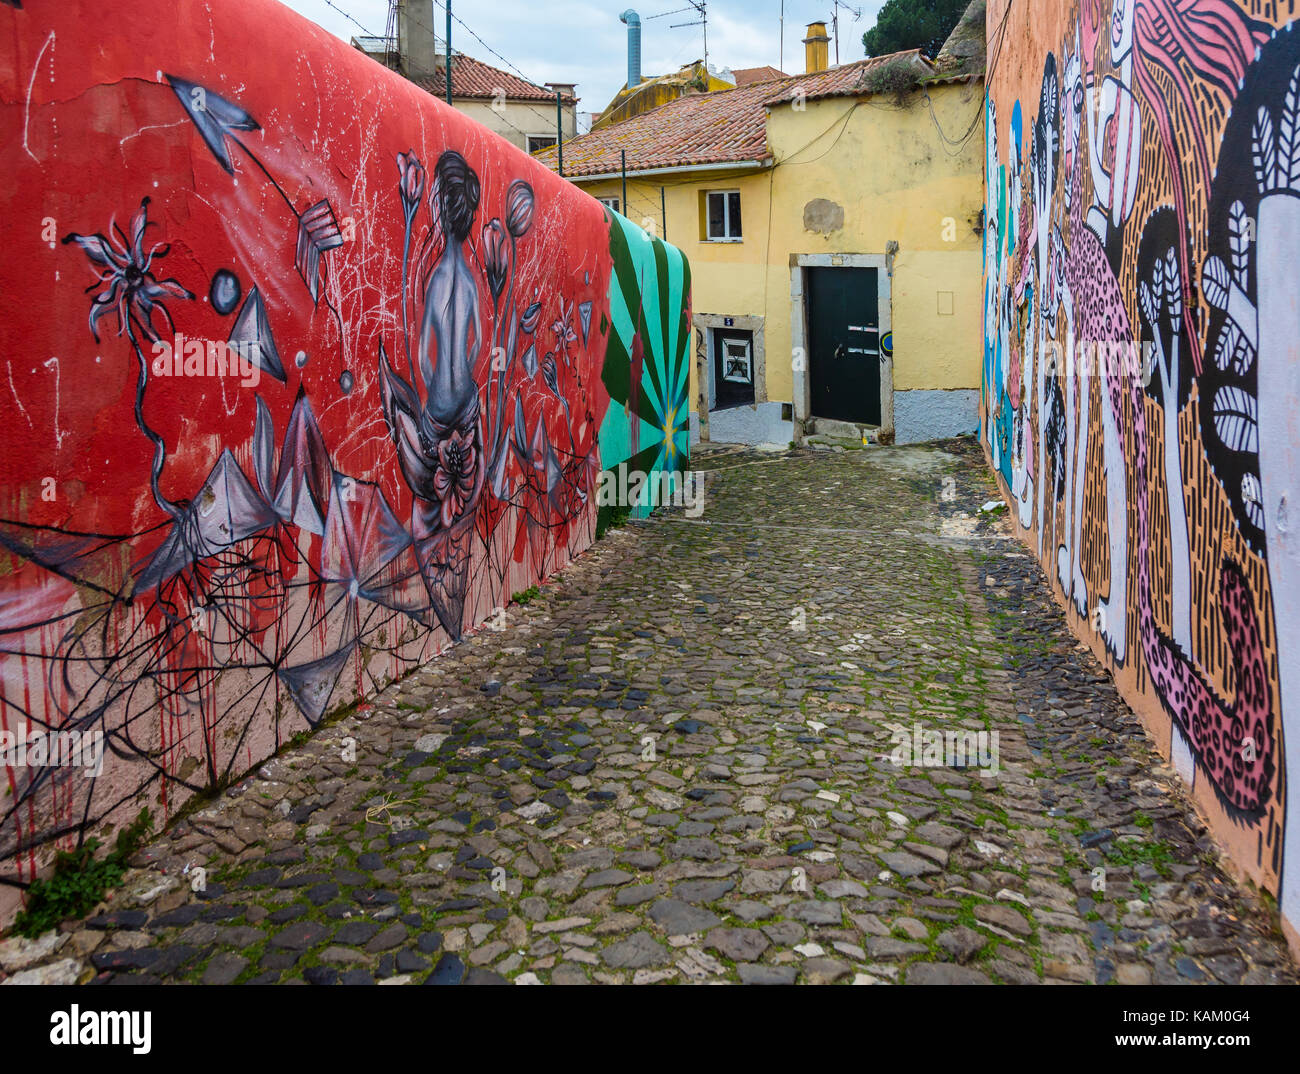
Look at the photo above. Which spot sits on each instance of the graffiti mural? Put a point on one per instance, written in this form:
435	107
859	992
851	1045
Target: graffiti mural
304	375
647	426
1142	371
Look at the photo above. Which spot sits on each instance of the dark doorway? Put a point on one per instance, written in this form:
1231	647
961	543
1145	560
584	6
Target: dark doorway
843	311
733	368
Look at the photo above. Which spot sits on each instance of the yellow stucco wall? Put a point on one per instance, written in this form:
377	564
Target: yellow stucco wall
515	120
895	178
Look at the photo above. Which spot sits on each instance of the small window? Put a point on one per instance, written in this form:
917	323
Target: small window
723	216
735	361
611	203
538	142
733	368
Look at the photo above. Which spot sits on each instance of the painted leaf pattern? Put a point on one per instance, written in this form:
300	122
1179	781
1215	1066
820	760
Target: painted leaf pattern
1234	419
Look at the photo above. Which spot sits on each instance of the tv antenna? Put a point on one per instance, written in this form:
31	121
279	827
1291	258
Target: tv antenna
392	36
701	7
856	12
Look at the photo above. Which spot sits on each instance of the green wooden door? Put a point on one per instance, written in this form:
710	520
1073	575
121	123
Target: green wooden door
843	311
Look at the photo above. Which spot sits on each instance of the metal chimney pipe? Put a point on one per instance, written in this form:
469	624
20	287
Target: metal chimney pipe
633	21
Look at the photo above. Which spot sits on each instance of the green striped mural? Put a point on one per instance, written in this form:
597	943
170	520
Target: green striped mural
647	364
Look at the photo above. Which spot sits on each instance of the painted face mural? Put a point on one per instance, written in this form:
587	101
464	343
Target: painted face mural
304	375
1166	320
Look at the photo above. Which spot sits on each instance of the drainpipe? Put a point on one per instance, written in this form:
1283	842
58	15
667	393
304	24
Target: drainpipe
702	385
633	21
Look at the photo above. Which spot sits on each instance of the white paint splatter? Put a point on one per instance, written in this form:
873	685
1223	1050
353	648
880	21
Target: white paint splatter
31	85
15	394
58	434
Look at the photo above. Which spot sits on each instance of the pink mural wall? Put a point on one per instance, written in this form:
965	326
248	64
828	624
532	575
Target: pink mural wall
301	379
1141	400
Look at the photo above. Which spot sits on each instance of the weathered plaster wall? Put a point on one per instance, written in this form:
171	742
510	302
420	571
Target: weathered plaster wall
760	424
440	338
1143	179
516	120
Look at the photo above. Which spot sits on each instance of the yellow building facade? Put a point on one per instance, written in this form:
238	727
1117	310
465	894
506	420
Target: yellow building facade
850	286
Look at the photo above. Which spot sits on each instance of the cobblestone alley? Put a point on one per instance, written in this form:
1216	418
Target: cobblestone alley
674	764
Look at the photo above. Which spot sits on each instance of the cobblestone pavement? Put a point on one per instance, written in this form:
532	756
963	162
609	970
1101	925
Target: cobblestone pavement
674	764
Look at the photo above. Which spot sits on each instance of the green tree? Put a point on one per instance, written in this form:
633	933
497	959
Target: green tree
908	24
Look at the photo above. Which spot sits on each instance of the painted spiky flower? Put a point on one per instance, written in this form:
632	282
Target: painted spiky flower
131	291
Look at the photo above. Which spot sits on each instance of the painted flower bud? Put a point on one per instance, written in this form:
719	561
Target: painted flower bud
412	172
519	208
496	259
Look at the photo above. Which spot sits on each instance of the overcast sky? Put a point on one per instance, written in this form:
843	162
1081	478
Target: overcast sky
582	41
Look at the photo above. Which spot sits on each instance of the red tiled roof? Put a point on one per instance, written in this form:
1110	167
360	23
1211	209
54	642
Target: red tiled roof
475	80
721	127
747	76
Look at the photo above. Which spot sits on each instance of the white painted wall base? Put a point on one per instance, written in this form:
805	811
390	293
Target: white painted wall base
760	424
923	415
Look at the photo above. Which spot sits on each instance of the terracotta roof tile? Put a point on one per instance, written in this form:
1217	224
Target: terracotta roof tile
725	126
476	80
746	76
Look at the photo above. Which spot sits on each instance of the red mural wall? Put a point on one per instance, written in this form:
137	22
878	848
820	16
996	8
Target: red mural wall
274	434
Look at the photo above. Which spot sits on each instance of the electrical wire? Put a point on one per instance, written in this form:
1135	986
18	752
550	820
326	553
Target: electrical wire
844	119
1000	33
959	144
348	15
466	27
548	120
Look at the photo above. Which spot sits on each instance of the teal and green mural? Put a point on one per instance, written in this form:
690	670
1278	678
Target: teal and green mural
647	364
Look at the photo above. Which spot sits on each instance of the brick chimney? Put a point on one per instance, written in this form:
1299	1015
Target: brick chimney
816	48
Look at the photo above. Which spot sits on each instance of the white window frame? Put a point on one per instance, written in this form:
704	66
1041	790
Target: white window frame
725	195
611	203
540	137
748	346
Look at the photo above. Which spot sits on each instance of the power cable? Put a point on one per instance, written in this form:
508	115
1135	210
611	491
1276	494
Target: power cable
348	15
548	120
1000	33
469	30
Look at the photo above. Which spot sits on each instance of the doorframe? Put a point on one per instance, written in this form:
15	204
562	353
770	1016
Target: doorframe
799	264
706	322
